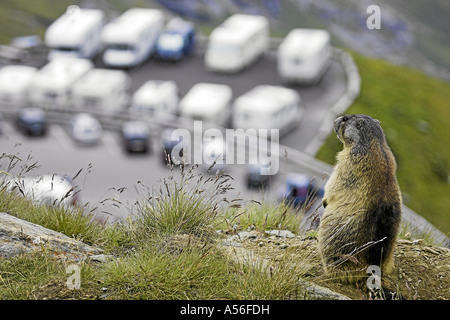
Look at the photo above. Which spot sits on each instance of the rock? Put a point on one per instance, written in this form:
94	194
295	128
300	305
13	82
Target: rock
231	243
320	293
281	233
243	235
19	236
101	258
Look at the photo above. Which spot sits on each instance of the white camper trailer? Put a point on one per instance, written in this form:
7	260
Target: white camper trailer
155	98
304	55
102	89
208	102
237	43
130	39
14	84
76	33
267	107
51	85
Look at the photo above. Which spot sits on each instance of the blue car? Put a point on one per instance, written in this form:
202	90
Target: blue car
176	42
32	121
299	189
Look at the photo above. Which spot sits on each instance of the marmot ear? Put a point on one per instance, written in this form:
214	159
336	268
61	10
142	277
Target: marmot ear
377	121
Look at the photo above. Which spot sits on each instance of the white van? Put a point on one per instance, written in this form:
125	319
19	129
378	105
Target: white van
76	33
14	85
267	107
130	39
102	89
155	98
237	43
51	85
304	55
209	102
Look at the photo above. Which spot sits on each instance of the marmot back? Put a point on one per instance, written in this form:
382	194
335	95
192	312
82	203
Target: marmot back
362	202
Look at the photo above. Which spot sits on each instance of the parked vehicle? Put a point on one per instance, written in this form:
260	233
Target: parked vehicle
77	33
177	41
267	107
85	129
254	177
130	39
32	121
102	89
51	85
14	85
13	54
304	55
299	189
209	102
214	155
168	144
136	136
155	98
237	43
47	189
28	43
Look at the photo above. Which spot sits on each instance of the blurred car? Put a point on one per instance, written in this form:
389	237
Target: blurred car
168	144
136	136
176	41
85	129
254	177
299	189
32	121
47	189
214	155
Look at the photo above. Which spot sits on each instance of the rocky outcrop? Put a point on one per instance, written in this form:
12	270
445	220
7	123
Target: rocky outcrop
19	236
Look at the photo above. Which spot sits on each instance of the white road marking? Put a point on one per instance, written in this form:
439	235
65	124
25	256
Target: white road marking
112	144
60	135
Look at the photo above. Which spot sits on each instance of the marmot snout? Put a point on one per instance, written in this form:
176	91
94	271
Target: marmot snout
362	201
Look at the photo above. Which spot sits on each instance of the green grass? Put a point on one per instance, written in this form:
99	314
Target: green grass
414	112
167	248
22	18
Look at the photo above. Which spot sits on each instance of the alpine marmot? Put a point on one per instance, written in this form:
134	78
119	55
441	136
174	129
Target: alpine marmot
362	202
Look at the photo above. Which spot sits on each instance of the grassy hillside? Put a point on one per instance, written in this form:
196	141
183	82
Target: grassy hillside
190	242
415	115
22	18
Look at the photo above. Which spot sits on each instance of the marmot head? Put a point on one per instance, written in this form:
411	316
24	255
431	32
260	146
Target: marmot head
358	130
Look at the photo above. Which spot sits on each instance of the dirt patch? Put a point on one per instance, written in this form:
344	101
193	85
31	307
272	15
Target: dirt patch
421	272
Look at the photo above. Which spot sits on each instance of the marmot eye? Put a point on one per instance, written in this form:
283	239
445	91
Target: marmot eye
345	118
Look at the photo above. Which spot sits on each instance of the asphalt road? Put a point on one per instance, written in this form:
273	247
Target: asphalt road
107	168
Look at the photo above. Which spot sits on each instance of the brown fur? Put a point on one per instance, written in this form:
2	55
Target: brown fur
362	202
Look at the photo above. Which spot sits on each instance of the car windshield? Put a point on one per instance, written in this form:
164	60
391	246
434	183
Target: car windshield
170	41
121	47
67	49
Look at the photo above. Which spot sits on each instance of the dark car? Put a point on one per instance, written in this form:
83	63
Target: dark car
255	179
168	145
136	136
32	121
299	189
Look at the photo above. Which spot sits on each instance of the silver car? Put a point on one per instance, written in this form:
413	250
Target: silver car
85	129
